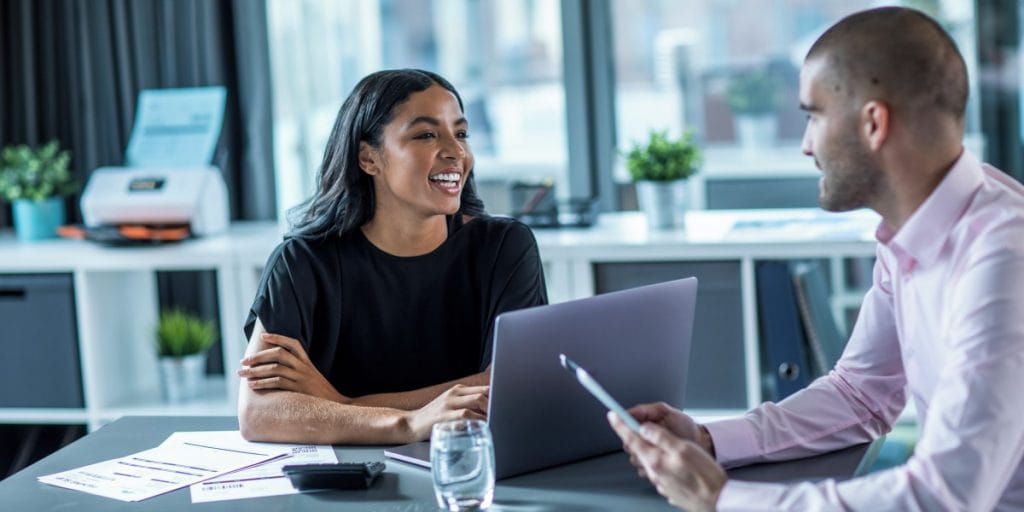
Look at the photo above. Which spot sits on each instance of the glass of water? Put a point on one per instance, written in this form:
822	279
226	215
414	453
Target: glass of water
462	463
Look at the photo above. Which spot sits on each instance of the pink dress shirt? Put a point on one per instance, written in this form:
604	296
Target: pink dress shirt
942	325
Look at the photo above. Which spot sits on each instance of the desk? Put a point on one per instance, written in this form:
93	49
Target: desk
603	483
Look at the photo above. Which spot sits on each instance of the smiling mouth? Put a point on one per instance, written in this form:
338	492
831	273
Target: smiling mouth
448	181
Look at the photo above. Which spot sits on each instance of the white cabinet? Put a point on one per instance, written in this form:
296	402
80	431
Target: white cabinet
116	302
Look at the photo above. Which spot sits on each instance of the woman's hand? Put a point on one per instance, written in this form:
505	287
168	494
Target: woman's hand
458	403
286	366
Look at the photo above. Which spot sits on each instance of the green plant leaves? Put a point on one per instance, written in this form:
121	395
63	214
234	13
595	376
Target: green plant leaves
35	174
754	92
663	159
181	334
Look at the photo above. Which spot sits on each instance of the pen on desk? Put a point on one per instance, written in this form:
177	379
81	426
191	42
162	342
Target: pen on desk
595	389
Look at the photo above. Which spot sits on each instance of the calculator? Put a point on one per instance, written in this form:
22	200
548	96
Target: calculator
348	475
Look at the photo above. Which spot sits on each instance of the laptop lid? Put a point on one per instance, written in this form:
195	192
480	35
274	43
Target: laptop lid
635	342
412	453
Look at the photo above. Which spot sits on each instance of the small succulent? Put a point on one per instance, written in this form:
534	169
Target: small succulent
663	158
180	334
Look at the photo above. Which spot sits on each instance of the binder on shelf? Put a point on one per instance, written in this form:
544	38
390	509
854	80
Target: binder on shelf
785	367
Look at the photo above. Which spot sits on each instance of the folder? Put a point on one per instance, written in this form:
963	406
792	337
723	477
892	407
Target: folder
785	367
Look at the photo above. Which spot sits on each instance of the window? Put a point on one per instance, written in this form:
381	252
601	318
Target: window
729	71
504	57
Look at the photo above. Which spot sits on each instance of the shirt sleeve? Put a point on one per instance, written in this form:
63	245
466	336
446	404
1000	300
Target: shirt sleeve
518	280
973	434
855	403
283	298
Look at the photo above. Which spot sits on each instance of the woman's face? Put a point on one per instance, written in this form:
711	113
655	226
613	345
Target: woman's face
424	158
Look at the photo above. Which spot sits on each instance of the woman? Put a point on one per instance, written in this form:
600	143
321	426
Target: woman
373	318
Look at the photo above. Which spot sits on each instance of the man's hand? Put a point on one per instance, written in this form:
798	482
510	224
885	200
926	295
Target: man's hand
285	365
458	403
673	420
680	470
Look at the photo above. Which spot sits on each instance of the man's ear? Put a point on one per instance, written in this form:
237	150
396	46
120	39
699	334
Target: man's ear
875	123
369	160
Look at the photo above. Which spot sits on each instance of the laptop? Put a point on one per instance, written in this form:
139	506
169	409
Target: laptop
635	343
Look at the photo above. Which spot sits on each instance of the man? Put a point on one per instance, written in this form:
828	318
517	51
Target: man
943	323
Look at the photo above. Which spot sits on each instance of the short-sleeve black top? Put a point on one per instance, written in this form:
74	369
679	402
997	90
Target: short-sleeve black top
373	322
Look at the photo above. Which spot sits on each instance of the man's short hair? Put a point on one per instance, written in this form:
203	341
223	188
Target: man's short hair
897	55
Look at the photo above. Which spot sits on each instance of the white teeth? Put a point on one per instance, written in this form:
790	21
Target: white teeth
446	176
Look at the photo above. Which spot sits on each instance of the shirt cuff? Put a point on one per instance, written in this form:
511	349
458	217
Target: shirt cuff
750	496
734	440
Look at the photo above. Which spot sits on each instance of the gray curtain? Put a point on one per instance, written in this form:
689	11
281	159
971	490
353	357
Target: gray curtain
72	70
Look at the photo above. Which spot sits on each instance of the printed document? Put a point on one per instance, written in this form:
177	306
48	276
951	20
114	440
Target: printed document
176	127
266	479
181	460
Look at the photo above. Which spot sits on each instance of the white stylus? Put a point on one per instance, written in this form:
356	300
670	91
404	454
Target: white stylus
595	389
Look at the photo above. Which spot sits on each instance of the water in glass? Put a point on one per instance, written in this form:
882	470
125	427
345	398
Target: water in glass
462	463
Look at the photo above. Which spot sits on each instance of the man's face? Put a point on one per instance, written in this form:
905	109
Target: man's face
833	137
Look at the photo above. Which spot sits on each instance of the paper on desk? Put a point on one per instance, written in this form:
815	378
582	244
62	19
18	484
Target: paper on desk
181	460
266	479
816	228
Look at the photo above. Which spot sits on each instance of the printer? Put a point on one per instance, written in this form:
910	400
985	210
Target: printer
167	190
195	197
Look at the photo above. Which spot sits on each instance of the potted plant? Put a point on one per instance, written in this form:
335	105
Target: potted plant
660	169
182	340
35	182
754	98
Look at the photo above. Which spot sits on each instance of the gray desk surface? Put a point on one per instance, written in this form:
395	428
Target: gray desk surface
603	483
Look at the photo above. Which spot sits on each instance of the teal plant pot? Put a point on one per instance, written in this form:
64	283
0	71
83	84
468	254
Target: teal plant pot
38	220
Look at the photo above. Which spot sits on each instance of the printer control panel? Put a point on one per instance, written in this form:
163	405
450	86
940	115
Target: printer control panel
145	184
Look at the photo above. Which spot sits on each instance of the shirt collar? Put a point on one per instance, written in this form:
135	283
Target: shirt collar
921	238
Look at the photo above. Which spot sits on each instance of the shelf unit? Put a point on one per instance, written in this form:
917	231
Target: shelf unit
116	297
44	416
712	236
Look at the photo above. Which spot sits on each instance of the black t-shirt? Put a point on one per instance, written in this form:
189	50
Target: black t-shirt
373	322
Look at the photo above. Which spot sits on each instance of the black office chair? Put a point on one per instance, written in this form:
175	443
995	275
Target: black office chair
825	343
824	340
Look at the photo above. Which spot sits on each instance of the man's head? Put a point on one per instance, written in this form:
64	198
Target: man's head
877	83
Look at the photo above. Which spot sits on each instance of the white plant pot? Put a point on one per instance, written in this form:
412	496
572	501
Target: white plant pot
756	132
663	202
182	377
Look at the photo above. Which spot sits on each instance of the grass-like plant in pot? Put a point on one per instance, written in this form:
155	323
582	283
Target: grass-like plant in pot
660	168
754	97
35	182
182	340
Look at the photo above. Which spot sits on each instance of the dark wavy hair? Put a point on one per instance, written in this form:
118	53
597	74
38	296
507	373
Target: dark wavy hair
344	198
